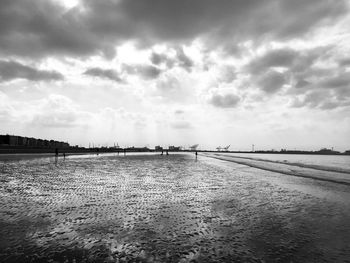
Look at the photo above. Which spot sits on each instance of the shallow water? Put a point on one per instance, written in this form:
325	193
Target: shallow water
323	173
341	162
152	208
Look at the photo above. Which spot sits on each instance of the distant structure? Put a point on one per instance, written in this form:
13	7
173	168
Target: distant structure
137	149
194	147
327	151
158	148
174	148
13	140
223	148
116	147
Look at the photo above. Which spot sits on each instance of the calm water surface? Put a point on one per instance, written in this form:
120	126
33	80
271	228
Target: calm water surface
335	161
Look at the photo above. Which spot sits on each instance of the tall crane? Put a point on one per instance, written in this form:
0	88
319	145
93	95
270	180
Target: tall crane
226	148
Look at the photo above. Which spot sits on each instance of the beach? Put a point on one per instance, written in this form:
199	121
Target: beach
171	208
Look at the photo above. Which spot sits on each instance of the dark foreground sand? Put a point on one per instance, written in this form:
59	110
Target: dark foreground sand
150	208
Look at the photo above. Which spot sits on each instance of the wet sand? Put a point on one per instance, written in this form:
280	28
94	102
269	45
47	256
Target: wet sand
323	173
151	208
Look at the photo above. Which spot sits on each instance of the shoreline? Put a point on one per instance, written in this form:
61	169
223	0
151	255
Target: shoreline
9	150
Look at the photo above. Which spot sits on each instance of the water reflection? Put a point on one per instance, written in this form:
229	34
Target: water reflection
152	208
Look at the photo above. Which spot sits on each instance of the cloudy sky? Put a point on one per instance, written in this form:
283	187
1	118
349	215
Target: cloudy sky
274	73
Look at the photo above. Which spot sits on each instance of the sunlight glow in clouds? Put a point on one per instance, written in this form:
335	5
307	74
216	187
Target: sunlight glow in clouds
272	73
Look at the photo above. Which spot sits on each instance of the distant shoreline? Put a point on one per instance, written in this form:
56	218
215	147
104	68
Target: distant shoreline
70	151
283	152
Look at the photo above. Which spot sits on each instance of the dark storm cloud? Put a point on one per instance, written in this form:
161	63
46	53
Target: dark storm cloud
145	71
180	60
300	68
41	28
225	101
104	73
321	99
344	62
182	19
183	60
323	80
338	81
158	59
274	58
272	81
294	60
342	80
10	70
312	99
302	83
325	92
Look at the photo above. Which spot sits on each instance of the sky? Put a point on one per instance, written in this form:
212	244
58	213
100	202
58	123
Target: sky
273	73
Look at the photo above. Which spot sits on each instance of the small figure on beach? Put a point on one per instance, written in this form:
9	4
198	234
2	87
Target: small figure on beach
167	152
64	155
56	151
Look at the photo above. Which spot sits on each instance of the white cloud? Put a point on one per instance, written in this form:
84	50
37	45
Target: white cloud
156	71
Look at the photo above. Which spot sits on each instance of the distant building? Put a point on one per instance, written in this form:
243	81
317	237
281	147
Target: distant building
158	148
137	149
173	148
20	140
12	140
327	151
31	142
40	143
4	139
